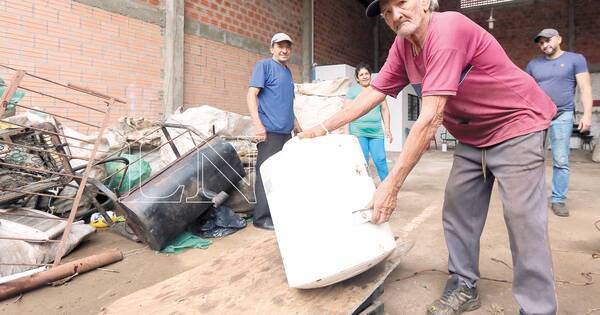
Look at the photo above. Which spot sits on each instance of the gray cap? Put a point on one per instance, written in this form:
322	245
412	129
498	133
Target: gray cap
281	37
373	9
547	32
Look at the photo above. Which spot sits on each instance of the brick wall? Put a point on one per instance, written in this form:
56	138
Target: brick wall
216	74
74	43
343	34
258	19
517	23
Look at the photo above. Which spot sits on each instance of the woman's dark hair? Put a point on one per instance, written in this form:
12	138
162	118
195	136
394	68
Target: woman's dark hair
360	66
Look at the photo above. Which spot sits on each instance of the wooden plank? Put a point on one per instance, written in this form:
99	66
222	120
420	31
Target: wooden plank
252	281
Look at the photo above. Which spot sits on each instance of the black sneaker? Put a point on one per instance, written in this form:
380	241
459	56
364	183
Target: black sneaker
560	209
457	298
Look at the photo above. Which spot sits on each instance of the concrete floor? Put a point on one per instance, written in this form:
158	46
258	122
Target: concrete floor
418	217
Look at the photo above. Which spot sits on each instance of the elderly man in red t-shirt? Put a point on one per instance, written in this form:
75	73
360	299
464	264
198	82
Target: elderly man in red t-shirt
499	115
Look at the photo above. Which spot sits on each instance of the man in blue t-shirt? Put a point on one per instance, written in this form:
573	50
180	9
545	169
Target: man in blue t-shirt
271	104
558	73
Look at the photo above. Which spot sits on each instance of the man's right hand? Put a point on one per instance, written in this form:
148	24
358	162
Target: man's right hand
261	133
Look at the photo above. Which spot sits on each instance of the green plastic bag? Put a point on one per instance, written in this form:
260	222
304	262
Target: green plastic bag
136	173
185	241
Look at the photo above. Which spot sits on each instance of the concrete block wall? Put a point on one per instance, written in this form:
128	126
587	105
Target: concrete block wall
74	43
343	34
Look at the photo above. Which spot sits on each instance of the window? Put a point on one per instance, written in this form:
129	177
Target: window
414	107
465	4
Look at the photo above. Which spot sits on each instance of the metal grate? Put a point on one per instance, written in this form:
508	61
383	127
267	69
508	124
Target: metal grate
414	105
464	4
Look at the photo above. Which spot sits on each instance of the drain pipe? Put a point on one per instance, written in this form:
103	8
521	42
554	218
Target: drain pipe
70	269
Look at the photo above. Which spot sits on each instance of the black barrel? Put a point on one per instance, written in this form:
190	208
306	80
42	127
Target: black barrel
162	208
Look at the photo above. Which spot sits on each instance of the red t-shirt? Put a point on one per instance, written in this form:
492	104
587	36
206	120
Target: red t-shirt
490	99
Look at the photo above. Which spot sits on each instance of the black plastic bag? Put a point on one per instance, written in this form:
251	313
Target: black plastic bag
218	222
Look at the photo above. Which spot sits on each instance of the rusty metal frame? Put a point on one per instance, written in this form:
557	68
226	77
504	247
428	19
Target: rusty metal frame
66	174
84	179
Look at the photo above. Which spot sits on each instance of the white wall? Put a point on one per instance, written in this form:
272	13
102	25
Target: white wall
332	72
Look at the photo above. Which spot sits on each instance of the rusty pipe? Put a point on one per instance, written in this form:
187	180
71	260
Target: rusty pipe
21	285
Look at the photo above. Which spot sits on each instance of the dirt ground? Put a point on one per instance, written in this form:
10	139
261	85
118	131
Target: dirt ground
418	217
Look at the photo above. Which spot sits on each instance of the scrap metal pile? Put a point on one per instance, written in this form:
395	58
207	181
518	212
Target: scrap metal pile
59	170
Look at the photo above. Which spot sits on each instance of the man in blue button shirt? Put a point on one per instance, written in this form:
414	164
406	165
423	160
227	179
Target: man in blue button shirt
558	73
271	104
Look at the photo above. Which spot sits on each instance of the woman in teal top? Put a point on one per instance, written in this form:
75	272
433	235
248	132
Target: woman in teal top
368	128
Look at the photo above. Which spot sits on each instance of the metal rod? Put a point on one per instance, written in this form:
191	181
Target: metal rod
23	264
69	86
43	150
147	153
61	99
31	240
173	147
128	144
159	172
84	148
44	130
56	115
31	216
39	170
36	193
122	179
79	266
192	137
94	93
61	247
38	177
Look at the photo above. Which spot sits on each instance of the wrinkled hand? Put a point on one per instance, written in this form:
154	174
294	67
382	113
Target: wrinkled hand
384	202
261	133
313	132
585	123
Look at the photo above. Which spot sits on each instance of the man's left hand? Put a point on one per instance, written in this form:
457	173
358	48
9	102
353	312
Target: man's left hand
585	123
384	202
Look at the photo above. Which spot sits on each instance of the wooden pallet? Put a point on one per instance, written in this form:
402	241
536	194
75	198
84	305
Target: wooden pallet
252	281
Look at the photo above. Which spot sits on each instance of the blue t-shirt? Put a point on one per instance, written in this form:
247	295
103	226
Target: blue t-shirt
557	77
276	97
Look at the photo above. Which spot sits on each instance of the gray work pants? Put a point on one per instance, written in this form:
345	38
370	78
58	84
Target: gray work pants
518	165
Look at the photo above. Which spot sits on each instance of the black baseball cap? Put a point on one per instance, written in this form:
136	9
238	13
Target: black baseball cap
373	9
